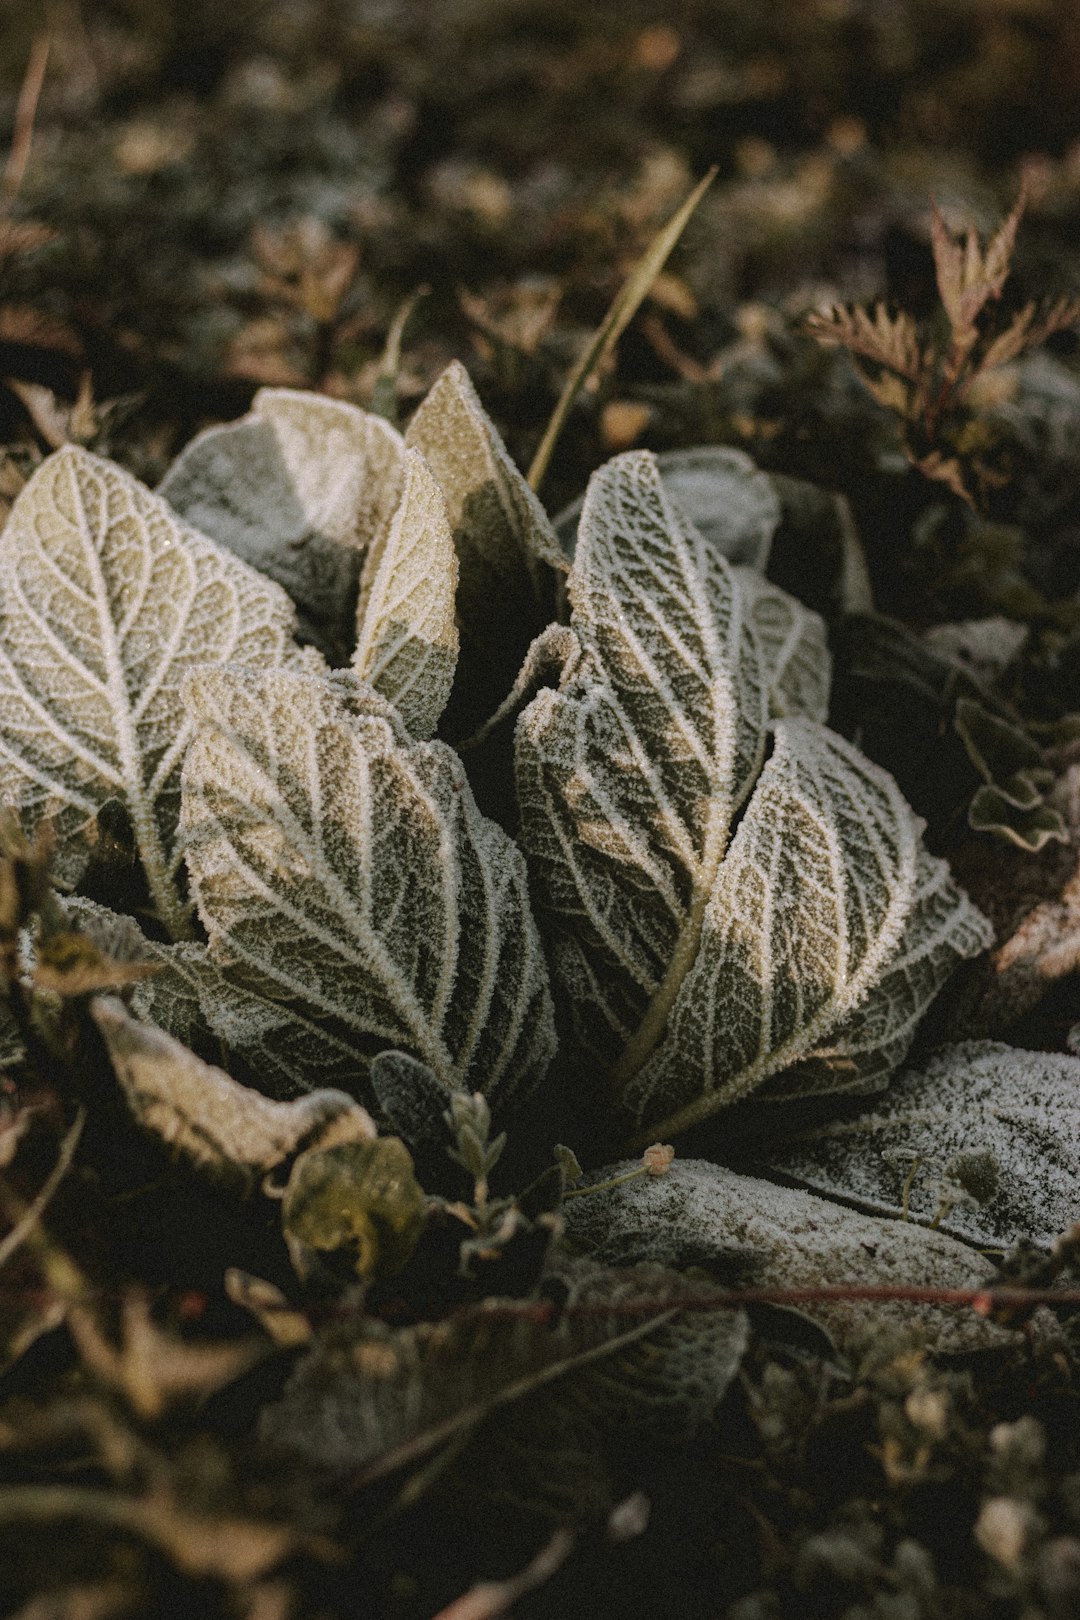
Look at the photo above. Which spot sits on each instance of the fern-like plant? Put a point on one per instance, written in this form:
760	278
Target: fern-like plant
926	376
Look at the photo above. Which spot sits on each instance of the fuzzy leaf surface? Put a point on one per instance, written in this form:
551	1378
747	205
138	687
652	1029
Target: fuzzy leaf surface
345	872
993	1131
507	550
390	1397
106	600
194	1000
793	646
285	1052
692	969
630	774
861	1052
721	491
299	488
702	1214
826	894
407	644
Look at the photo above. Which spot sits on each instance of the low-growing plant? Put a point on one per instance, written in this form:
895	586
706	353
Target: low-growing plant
339	981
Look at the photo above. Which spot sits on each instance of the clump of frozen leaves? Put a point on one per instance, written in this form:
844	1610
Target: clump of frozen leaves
706	891
682	804
727	891
694	957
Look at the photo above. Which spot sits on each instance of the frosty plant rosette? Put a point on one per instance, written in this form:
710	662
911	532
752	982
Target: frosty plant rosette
694	890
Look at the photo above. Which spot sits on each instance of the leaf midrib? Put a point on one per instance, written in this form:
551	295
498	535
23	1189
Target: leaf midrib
170	908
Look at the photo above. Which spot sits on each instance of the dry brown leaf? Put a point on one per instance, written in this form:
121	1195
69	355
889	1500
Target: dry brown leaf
887	340
150	1367
968	276
1027	330
36	328
58	422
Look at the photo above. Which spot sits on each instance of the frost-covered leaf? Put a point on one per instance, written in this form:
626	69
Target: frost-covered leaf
407	635
780	1237
815	904
284	1051
217	1124
793	646
692	970
410	1097
862	1052
629	775
390	1397
344	871
991	1133
299	488
106	599
508	554
725	496
113	932
561	1451
721	491
190	997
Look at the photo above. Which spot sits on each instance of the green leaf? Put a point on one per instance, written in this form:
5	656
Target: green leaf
384	1399
300	488
106	600
692	970
989	1132
779	1237
343	871
508	555
358	1195
721	491
407	643
996	747
1030	826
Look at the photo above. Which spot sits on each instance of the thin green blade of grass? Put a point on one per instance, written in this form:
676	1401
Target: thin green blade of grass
631	296
384	397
